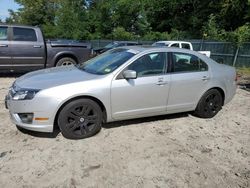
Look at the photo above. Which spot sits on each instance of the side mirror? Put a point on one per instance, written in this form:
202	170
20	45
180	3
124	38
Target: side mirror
129	74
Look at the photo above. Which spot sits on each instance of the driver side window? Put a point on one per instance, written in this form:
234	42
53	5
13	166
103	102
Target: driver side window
149	65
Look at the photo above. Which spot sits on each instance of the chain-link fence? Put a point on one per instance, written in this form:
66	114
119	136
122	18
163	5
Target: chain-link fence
226	52
222	52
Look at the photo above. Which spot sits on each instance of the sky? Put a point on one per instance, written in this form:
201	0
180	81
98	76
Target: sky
5	5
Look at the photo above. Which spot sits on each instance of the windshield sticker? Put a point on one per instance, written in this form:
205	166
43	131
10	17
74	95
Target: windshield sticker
107	70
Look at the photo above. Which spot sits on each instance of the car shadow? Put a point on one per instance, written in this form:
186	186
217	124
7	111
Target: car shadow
144	120
40	134
116	124
245	86
11	75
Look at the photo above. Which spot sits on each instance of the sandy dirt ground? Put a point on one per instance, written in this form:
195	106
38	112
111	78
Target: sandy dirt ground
167	151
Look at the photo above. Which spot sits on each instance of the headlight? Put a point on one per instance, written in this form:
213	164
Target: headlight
25	94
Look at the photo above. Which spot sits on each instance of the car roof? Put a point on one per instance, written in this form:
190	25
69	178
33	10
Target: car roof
141	48
18	25
138	48
171	41
132	42
148	48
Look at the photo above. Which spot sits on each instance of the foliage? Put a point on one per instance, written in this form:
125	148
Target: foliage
71	20
142	19
120	33
38	13
242	34
211	29
154	36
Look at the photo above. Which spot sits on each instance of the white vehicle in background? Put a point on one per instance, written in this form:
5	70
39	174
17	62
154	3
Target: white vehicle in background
180	44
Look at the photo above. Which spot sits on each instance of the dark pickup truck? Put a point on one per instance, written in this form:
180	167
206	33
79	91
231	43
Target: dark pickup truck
23	49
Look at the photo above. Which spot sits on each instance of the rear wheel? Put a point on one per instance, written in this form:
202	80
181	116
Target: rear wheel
80	118
209	105
65	61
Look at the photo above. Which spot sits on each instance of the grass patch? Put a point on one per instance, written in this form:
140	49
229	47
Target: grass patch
243	75
244	71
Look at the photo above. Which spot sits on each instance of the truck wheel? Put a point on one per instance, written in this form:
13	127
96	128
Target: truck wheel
80	118
65	61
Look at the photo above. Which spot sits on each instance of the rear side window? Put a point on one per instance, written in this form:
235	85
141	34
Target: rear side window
131	44
185	45
24	34
175	45
3	33
121	44
188	63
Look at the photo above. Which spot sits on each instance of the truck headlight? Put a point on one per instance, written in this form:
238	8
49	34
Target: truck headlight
25	94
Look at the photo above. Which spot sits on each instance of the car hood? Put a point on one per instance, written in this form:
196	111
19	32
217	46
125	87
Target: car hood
52	77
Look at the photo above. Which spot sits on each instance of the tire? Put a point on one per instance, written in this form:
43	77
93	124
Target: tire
20	128
209	105
65	61
81	118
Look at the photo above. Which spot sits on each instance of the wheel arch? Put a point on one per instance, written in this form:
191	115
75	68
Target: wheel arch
222	92
63	55
102	106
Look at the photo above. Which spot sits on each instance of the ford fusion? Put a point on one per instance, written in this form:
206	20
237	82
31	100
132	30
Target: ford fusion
123	83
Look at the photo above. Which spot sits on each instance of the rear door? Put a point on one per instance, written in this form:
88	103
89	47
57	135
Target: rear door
5	56
28	53
189	79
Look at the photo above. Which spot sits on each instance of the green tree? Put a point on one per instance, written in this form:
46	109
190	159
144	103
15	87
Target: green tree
38	13
120	33
234	14
71	20
164	19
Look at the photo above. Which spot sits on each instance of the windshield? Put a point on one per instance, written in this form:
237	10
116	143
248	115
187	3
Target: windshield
111	45
106	62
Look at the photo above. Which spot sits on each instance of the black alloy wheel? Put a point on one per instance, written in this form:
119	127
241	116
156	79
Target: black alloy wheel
210	104
80	118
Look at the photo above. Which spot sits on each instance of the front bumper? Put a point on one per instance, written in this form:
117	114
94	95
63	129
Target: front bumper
29	106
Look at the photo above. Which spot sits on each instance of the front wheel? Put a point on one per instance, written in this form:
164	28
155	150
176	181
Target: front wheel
209	105
80	119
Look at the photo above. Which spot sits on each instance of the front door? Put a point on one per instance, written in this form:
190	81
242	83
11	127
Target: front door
5	56
145	95
27	52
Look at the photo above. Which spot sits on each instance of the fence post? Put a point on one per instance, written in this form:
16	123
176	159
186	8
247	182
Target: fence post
235	56
201	44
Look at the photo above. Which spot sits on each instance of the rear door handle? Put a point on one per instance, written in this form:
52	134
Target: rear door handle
161	82
3	45
204	78
37	46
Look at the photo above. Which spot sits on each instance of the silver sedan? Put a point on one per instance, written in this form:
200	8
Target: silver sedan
123	83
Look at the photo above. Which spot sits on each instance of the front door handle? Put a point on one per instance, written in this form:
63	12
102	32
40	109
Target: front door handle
37	46
161	82
3	45
204	78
